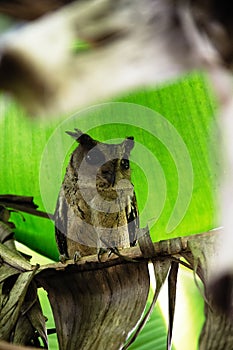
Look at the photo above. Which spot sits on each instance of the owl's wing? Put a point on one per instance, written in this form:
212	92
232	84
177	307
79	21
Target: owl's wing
60	218
132	219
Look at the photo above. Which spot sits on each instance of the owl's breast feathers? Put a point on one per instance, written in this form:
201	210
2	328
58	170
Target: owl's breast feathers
87	227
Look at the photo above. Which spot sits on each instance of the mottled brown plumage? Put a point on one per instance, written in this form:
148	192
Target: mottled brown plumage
96	207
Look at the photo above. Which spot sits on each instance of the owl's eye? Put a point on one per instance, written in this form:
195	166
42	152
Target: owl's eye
125	163
95	157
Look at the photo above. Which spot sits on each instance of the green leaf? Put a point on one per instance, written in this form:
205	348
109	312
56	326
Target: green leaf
154	335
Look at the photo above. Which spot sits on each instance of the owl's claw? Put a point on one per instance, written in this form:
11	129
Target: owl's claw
77	256
101	251
63	258
115	251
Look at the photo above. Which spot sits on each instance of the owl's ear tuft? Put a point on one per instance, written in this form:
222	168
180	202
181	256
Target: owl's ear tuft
76	135
85	140
128	143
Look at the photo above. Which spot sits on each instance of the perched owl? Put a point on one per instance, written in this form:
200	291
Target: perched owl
96	207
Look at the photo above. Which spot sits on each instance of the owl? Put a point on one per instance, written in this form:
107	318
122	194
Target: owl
96	208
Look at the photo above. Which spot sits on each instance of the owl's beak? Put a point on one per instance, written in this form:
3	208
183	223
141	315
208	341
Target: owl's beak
110	176
112	179
108	172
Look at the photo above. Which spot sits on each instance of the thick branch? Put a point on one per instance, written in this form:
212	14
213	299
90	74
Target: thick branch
163	249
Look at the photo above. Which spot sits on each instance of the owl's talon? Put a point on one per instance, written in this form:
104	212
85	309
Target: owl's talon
115	251
101	251
77	256
63	258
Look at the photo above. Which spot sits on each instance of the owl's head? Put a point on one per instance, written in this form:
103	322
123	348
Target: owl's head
107	163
